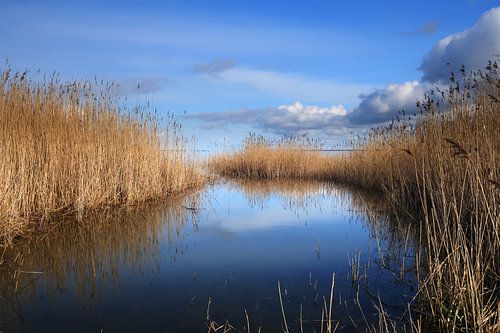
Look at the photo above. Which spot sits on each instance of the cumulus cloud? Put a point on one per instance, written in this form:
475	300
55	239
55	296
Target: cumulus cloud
382	105
281	119
376	107
472	48
300	116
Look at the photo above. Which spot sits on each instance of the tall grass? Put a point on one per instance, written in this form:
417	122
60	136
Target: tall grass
293	157
442	169
445	172
66	148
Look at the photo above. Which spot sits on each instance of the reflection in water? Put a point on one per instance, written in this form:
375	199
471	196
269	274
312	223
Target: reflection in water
89	255
156	268
391	245
294	194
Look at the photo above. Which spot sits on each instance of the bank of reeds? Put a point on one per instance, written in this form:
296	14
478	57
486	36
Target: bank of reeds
293	157
444	171
442	168
66	148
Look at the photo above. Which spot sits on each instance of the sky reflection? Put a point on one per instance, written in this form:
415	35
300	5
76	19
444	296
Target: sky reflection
155	270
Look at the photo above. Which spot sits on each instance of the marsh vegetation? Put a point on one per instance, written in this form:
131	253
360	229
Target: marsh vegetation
68	148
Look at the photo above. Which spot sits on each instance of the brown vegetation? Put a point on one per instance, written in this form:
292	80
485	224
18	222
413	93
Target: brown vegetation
292	157
70	148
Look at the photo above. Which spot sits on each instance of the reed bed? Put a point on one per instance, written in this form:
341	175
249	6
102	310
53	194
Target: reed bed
444	172
293	157
67	148
440	167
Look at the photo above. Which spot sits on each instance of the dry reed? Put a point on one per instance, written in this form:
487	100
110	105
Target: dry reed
293	157
444	171
69	148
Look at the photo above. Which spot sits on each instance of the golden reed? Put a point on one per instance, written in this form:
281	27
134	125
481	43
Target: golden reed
68	148
293	157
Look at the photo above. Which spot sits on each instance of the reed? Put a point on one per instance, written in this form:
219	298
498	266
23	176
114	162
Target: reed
442	169
293	157
67	148
444	172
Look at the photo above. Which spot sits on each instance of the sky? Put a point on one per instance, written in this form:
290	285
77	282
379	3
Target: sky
226	68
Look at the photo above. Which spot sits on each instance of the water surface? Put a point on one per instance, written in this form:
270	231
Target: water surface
155	269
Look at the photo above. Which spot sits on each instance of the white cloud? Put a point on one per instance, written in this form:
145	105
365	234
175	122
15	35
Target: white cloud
312	111
281	119
376	107
379	106
300	116
472	48
382	104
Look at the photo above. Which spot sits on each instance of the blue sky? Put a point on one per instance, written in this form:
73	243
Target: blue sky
328	67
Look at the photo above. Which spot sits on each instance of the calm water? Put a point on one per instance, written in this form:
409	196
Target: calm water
155	270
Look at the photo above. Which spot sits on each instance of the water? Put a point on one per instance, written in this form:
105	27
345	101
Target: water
155	269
